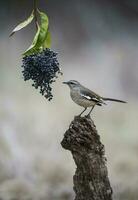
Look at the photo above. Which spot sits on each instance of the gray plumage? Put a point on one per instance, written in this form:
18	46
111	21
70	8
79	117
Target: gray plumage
85	97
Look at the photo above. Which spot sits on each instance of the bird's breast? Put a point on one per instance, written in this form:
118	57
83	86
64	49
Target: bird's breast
78	99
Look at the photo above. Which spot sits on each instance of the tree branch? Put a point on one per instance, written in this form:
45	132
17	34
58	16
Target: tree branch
91	177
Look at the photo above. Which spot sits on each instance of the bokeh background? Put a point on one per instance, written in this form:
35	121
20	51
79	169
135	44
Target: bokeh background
97	42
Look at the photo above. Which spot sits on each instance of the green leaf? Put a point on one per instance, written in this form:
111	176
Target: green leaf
23	24
47	42
33	48
43	29
42	37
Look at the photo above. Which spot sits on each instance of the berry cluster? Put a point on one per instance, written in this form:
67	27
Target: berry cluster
42	69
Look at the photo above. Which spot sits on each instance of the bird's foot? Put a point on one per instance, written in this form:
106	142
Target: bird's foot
78	115
88	116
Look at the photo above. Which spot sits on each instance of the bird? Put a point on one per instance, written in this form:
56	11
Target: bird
85	98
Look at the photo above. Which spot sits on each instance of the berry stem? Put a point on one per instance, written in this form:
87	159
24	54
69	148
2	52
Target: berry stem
35	13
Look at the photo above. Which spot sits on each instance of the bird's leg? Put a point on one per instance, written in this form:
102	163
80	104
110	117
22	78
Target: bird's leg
90	111
82	111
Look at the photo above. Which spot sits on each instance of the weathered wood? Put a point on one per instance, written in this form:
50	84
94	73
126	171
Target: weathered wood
91	177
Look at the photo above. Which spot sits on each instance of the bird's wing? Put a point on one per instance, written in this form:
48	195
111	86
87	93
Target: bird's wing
91	96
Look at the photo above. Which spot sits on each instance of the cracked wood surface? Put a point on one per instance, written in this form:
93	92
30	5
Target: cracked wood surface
91	177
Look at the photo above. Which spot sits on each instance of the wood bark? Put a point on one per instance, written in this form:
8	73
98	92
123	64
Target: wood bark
91	177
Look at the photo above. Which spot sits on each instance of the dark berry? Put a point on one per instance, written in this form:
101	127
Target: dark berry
42	69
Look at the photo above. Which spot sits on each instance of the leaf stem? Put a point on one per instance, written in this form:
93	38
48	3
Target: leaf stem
35	14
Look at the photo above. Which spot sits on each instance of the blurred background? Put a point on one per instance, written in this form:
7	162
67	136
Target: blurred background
97	42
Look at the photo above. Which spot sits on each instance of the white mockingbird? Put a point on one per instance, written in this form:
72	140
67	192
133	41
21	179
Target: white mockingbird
85	97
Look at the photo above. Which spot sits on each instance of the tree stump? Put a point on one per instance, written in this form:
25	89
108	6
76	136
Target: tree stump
91	177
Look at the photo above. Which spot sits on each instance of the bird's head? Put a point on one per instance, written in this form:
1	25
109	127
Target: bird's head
72	84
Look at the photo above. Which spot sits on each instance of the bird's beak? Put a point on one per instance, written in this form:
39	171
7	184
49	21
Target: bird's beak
65	83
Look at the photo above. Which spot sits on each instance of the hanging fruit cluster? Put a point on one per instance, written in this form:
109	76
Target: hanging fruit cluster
40	63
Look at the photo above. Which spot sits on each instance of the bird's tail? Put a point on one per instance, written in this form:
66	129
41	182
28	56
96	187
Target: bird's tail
117	100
